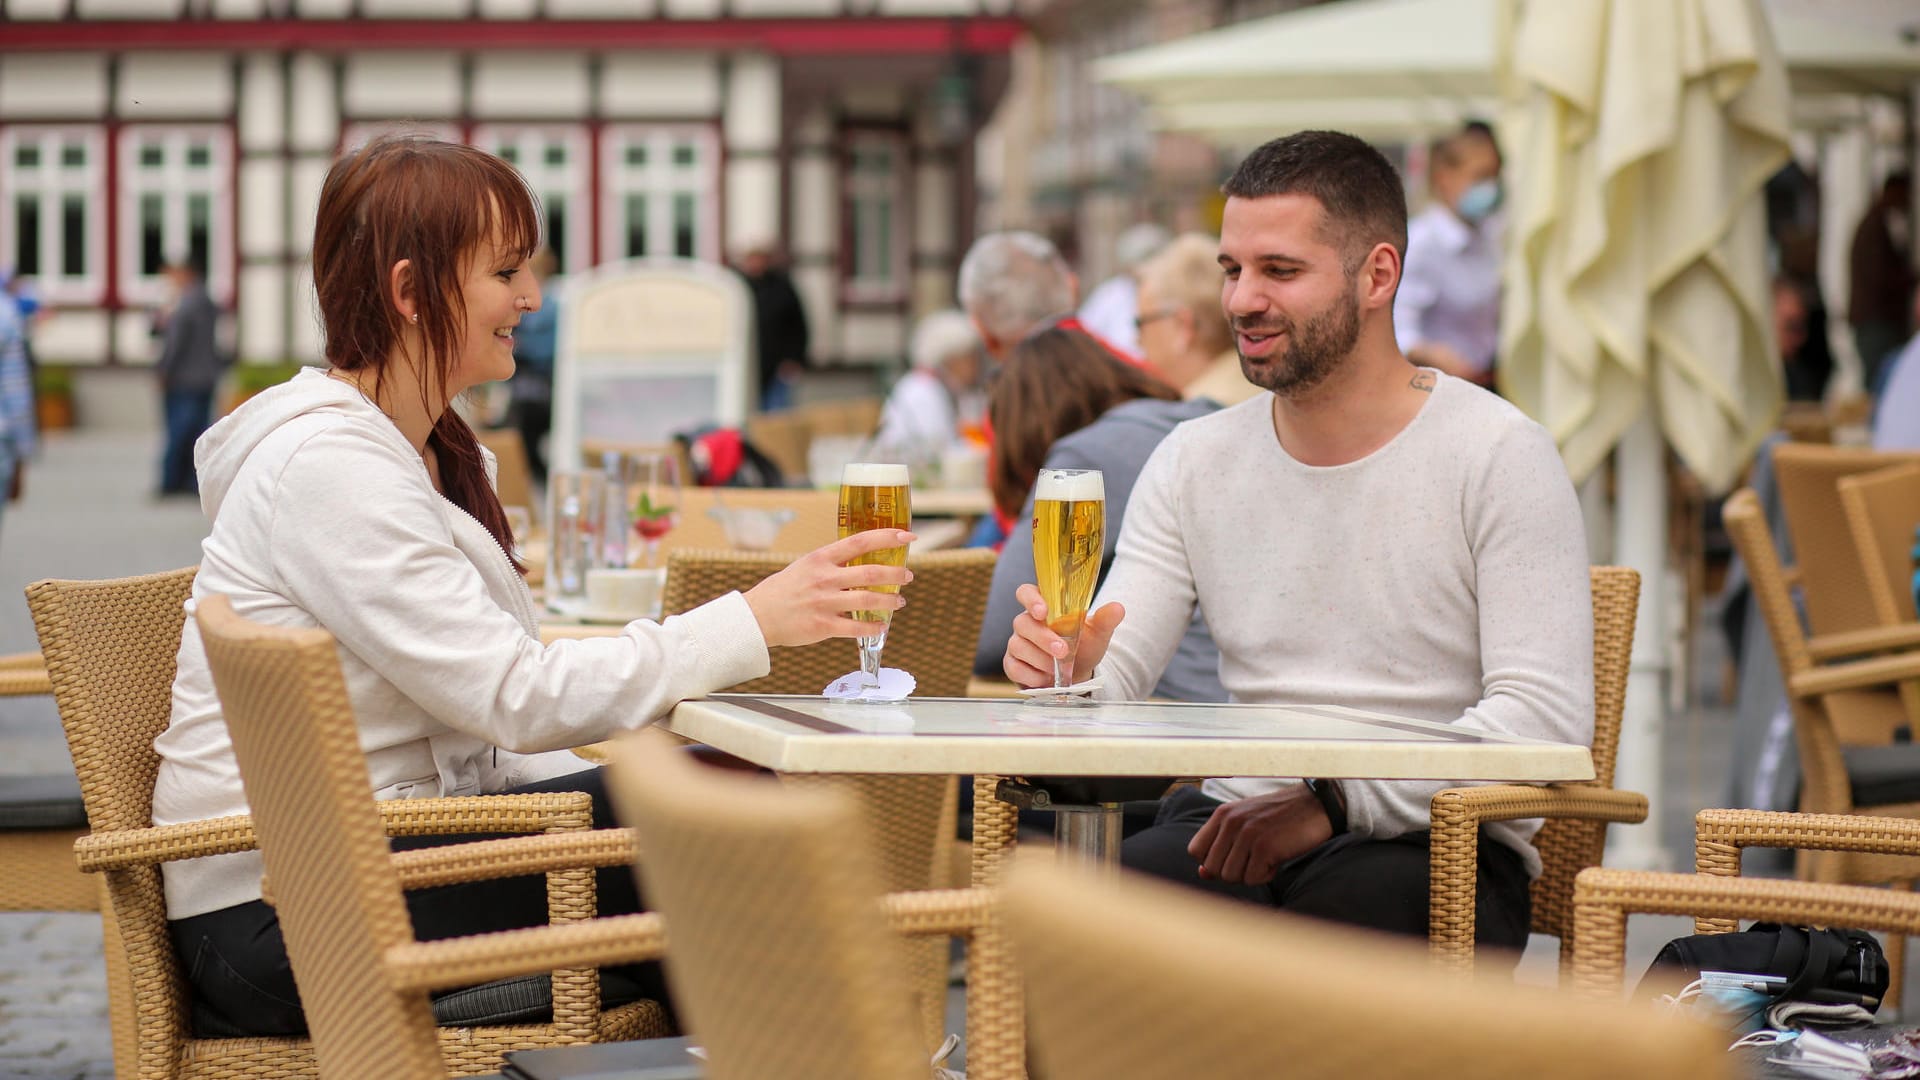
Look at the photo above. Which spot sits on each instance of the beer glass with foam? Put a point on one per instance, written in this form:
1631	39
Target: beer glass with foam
874	496
1069	535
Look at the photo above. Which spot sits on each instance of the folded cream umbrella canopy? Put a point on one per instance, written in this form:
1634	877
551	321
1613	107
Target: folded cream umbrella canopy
1637	275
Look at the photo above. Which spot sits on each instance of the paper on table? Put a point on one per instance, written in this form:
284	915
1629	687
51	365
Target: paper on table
895	685
1044	692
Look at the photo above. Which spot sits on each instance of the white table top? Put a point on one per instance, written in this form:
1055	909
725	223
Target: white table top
1020	738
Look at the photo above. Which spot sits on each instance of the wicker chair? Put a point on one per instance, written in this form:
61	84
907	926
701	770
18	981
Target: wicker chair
1883	510
364	981
1717	896
110	649
1841	618
1141	980
933	637
1574	836
781	961
40	818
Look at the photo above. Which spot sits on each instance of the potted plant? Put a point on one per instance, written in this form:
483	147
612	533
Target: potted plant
53	396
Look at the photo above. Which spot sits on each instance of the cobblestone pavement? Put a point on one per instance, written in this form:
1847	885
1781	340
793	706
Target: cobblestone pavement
88	514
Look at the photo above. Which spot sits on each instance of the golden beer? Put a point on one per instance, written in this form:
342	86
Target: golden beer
874	496
1069	536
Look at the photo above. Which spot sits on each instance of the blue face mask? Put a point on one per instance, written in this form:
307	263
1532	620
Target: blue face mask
1479	201
1728	1001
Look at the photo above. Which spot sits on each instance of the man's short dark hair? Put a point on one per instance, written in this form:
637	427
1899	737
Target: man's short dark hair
1354	183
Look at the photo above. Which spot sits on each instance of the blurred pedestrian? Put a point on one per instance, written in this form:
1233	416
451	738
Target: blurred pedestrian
1109	309
780	331
20	292
533	348
1013	283
1807	369
1183	331
18	428
1881	278
190	367
922	414
1447	314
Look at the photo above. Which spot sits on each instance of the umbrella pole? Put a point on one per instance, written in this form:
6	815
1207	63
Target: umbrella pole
1640	541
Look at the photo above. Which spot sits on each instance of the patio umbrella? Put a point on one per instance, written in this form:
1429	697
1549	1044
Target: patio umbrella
1637	295
1637	276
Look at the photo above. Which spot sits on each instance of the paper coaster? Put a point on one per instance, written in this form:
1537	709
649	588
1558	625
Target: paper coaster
1076	690
895	685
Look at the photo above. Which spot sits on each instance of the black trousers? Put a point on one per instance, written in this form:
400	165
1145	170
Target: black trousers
236	960
1378	884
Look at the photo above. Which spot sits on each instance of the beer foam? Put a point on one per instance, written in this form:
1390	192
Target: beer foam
1071	485
872	474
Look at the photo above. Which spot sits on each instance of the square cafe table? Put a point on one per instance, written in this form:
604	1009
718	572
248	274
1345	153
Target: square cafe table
1022	738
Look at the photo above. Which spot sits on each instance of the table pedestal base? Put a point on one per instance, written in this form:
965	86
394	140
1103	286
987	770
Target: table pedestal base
1086	832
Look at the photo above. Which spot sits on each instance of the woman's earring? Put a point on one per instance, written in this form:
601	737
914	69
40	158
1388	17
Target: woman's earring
415	317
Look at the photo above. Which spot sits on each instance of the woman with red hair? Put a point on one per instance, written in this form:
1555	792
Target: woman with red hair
355	500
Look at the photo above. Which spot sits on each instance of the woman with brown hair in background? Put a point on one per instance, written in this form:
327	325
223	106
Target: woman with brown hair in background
1061	401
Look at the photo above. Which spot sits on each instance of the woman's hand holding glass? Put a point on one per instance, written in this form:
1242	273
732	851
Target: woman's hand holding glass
808	601
1033	648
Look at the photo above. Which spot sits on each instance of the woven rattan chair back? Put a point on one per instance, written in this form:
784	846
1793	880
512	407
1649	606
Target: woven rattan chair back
1825	786
335	890
932	637
780	961
1569	845
1883	514
911	817
1141	980
1883	511
110	649
1832	581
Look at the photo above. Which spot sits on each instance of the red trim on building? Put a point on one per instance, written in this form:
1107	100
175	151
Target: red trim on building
785	37
110	264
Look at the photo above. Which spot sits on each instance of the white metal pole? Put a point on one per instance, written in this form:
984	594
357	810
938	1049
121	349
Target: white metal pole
1640	541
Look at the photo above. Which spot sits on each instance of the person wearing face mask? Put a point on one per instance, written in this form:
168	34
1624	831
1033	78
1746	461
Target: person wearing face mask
1447	315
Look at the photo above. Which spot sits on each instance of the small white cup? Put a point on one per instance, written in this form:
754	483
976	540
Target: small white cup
624	592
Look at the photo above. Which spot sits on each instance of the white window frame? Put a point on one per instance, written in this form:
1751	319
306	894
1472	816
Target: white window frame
659	179
175	182
569	178
54	181
865	194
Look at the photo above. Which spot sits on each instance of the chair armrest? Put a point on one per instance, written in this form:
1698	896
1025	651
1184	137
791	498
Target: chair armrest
24	682
127	848
19	661
1603	898
937	912
526	813
1720	835
1860	642
1856	675
465	961
516	856
1474	806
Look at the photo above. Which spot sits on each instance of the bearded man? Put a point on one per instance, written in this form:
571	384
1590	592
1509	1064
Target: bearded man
1369	534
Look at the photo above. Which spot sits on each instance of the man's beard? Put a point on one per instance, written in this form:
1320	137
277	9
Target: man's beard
1314	349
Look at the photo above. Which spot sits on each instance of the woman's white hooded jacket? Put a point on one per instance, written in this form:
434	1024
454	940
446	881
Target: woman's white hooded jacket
324	516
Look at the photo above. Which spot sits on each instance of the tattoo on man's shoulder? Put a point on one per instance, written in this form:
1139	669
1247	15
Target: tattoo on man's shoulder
1422	381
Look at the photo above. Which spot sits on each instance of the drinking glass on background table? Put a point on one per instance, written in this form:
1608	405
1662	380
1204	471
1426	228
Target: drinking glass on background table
573	515
519	526
656	499
874	496
1069	535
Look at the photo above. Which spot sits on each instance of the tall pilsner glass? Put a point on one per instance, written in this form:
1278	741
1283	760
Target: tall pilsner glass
874	496
1069	534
